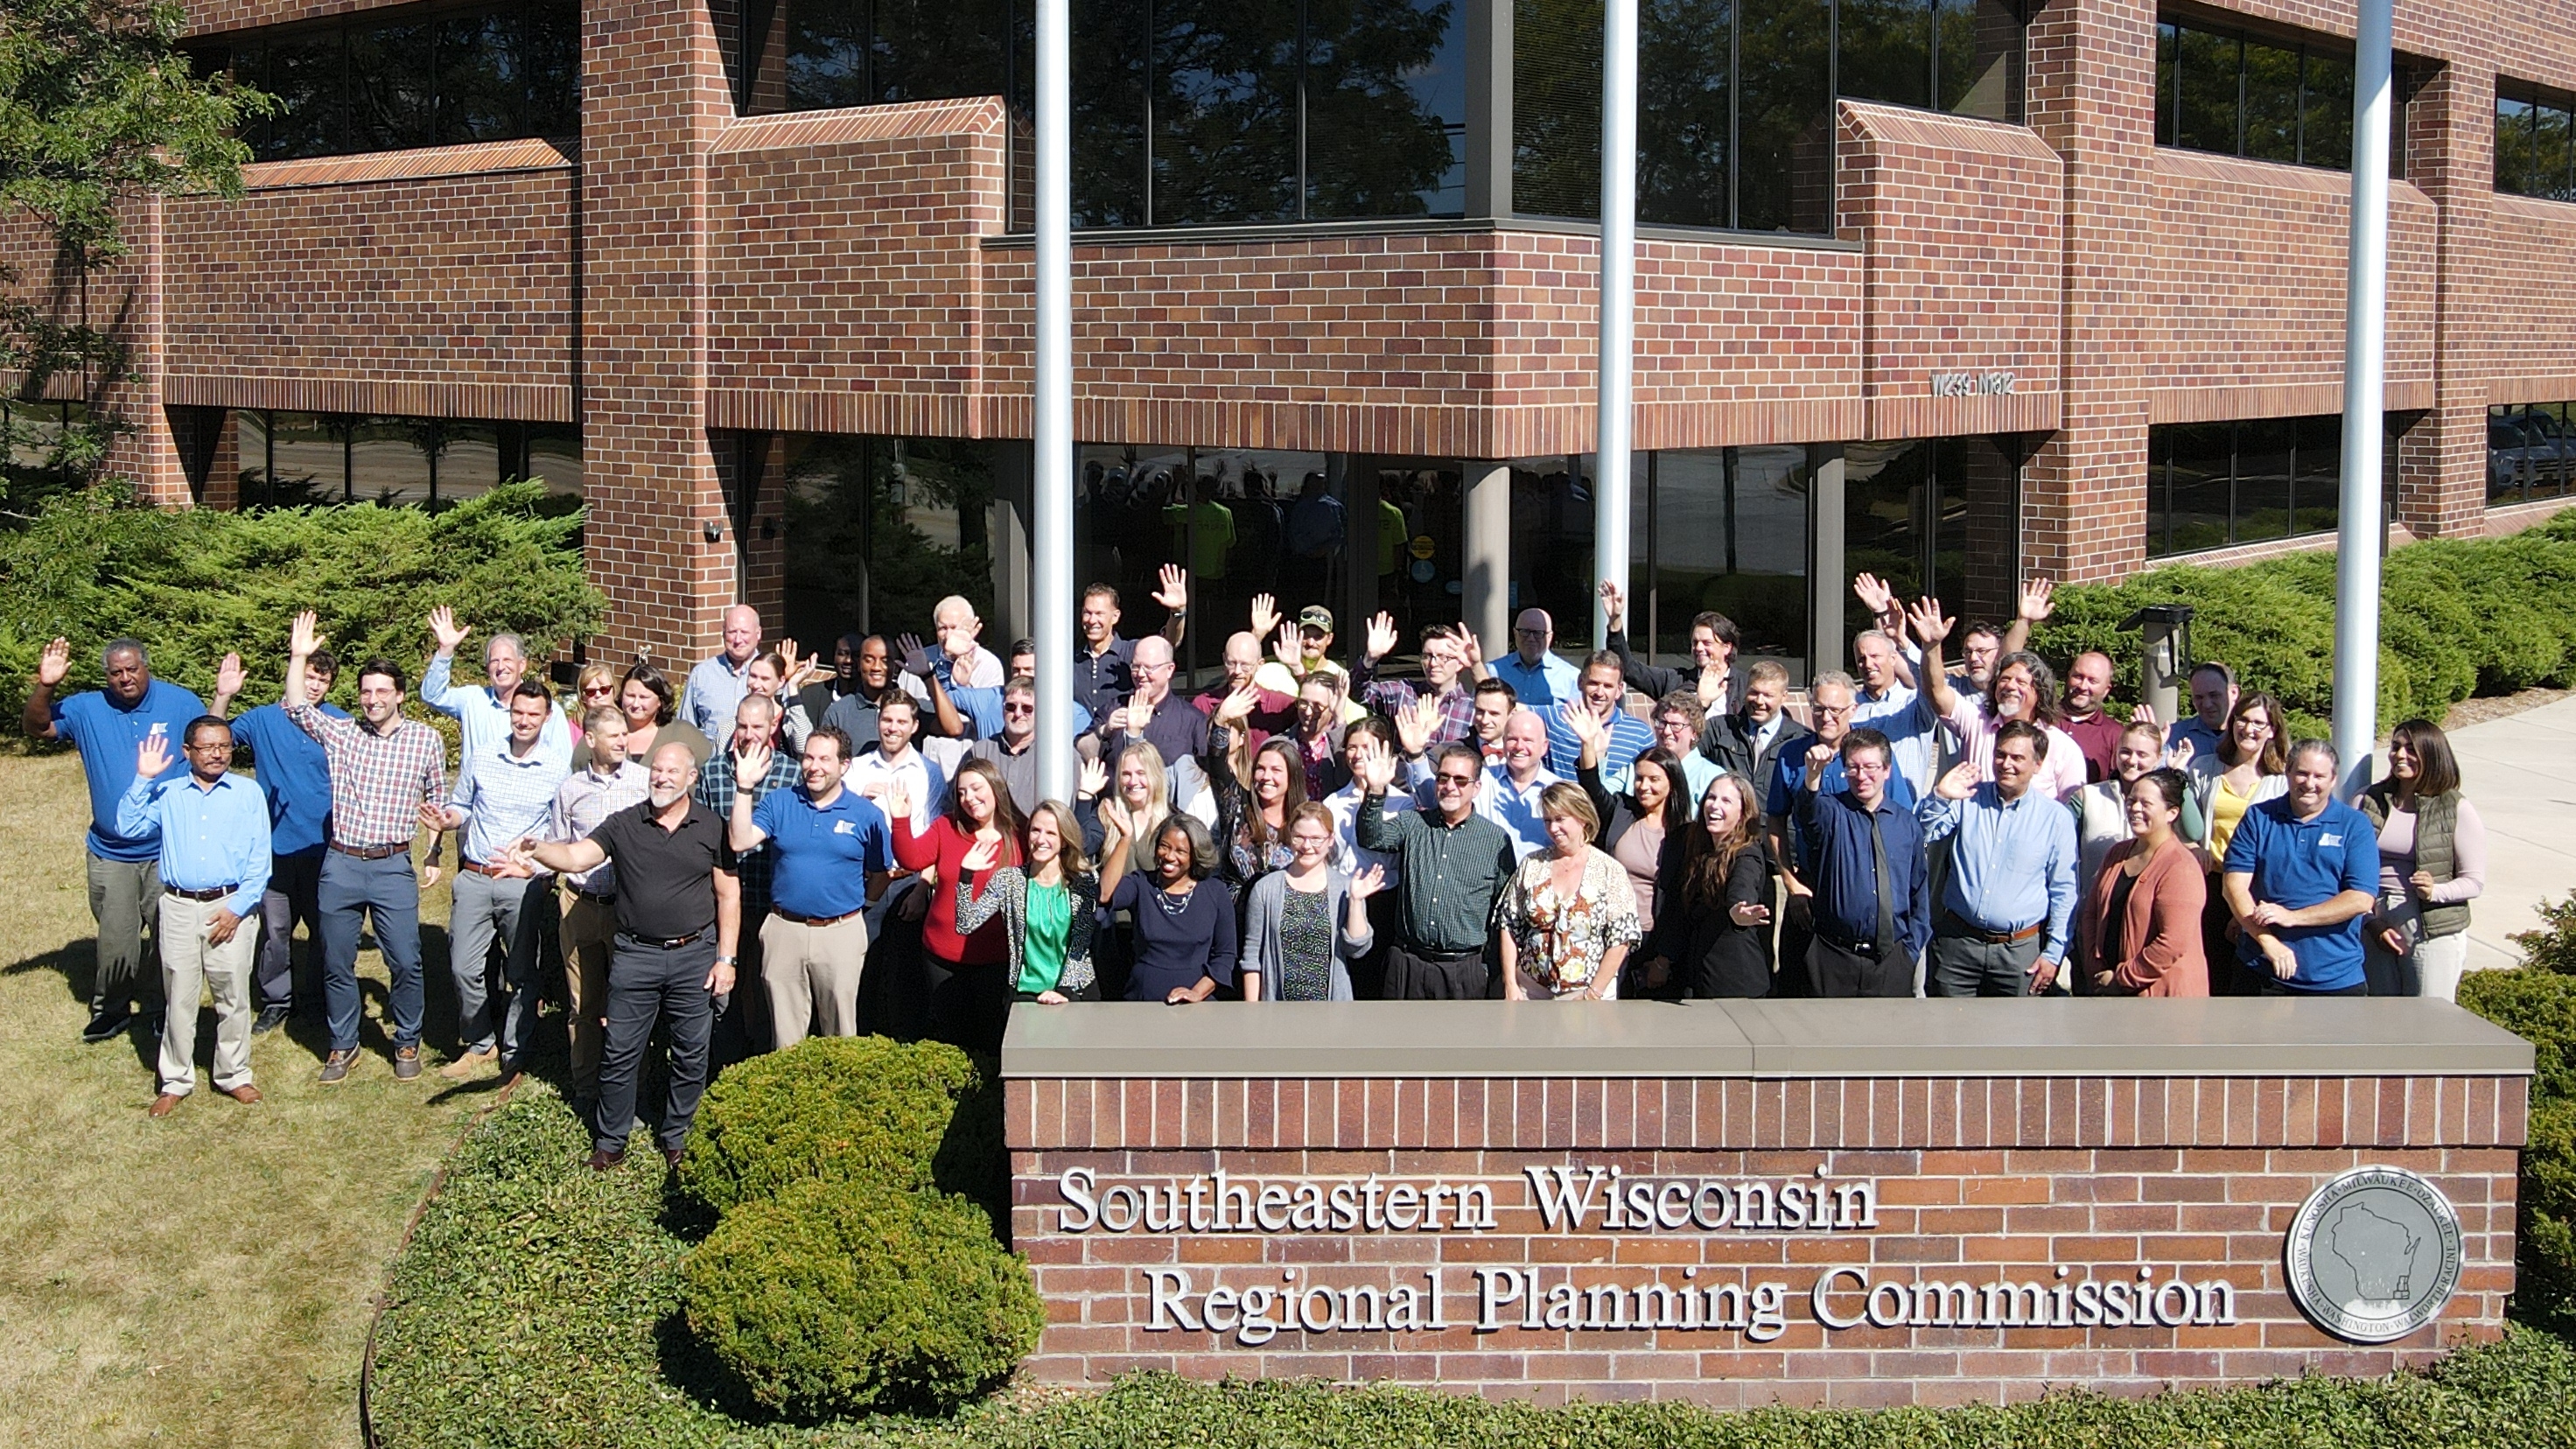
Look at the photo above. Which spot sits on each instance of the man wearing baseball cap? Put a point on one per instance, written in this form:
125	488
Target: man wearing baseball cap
1313	642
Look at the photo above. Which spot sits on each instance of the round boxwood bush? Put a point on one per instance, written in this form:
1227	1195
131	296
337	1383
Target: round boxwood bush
845	1109
835	1298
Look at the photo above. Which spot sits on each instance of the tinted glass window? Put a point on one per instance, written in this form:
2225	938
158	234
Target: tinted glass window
1386	108
1885	51
303	72
372	85
2260	97
1685	112
1981	58
2205	111
2214	484
2325	125
1784	117
1225	111
2271	102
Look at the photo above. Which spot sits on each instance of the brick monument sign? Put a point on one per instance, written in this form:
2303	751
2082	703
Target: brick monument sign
1747	1202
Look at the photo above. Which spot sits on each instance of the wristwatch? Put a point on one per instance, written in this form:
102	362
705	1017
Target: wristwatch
724	960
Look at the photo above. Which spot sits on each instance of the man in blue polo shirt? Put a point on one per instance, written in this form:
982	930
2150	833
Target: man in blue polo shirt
108	726
2301	869
295	779
829	852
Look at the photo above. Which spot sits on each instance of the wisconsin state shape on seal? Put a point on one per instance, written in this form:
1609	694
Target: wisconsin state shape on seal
2373	1254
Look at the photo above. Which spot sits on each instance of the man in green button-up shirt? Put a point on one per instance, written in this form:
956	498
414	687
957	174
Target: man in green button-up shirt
1453	862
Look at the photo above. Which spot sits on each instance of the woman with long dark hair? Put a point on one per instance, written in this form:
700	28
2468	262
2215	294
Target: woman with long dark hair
1254	802
1713	930
1048	907
964	981
2432	863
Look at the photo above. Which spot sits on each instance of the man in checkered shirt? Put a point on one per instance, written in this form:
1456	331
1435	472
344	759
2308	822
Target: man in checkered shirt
384	768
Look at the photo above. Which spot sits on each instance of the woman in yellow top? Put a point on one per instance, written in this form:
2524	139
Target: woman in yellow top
2250	766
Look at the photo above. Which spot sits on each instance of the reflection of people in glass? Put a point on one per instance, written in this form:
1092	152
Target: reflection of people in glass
1204	530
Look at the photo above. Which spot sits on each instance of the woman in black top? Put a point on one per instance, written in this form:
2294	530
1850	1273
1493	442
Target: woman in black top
1185	933
1713	921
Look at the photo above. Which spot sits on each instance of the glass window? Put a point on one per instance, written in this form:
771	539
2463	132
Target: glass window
2271	102
308	458
2214	484
554	456
2200	485
2513	168
882	529
1885	50
373	85
468	460
1685	112
1225	111
390	459
1386	108
1980	58
2208	78
1784	116
2549	154
2263	478
1109	156
1723	529
1933	516
2316	492
1552	544
1556	107
2325	124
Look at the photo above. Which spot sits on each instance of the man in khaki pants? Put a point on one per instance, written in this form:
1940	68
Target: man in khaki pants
830	851
214	868
607	783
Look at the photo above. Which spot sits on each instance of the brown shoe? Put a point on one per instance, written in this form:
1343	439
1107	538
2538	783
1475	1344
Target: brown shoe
246	1094
470	1064
604	1160
671	1155
165	1104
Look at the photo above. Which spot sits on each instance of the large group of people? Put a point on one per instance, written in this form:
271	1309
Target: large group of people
784	846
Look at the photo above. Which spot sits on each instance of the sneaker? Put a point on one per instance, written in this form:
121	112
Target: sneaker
406	1063
469	1064
270	1019
107	1024
335	1067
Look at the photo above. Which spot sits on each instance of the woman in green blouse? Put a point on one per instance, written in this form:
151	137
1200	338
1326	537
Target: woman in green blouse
1048	908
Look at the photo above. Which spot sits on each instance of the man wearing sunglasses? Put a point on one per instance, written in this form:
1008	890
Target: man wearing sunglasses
1450	861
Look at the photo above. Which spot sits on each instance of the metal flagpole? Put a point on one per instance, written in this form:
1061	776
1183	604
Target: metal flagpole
1618	299
1051	515
2356	661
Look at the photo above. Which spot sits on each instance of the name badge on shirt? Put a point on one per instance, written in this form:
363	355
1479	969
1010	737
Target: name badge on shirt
844	827
2329	842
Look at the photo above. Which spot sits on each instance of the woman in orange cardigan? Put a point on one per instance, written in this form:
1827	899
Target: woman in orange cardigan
2140	931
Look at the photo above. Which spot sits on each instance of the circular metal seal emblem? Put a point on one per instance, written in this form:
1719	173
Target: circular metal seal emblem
2374	1254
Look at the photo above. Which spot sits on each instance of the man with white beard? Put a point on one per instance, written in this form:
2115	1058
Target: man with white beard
679	913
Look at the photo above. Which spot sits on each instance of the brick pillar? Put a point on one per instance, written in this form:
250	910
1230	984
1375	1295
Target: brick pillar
653	96
129	294
2441	485
2092	97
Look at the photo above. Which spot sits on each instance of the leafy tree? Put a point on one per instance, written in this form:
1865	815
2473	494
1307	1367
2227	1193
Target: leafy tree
98	108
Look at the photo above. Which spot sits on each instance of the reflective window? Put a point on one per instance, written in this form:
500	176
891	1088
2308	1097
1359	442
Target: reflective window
2531	452
2533	151
1722	529
2260	96
822	54
1734	114
881	529
1934	516
2210	485
292	459
367	84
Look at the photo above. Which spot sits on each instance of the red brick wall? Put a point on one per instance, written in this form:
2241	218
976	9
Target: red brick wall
1977	1180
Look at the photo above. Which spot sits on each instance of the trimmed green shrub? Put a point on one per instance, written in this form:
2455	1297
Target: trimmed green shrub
2457	618
838	1298
846	1109
195	584
2538	1003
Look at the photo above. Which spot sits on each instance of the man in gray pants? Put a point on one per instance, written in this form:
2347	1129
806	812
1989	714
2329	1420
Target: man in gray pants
502	796
2006	909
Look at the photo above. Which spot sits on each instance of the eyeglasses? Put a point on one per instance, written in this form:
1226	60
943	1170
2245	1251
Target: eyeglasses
1019	709
1461	781
1836	710
212	747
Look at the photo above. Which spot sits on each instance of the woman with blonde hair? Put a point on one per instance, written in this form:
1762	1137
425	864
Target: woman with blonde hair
596	688
1568	918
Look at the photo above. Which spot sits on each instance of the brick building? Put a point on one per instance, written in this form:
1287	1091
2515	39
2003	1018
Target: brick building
1940	288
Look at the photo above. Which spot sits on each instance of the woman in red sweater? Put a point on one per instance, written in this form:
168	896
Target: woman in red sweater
969	992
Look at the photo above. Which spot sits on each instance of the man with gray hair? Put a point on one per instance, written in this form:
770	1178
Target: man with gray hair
716	685
1154	713
108	726
483	715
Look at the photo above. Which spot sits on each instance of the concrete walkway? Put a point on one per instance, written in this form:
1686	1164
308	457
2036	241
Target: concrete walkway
2515	770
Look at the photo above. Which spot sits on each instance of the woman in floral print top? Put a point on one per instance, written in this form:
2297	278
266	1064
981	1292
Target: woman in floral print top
1569	916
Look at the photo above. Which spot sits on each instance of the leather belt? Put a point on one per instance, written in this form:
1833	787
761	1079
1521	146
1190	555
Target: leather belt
794	919
215	893
663	943
476	866
372	852
1867	949
1952	924
1445	958
605	898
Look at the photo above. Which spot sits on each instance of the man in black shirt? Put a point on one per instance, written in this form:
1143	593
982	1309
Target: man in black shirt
679	910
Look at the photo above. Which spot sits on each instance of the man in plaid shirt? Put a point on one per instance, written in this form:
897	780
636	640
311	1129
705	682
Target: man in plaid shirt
755	719
384	770
1451	665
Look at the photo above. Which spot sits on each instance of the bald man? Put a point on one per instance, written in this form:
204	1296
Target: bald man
717	685
1539	676
1154	713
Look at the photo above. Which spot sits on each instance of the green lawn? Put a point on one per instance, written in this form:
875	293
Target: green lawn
202	1280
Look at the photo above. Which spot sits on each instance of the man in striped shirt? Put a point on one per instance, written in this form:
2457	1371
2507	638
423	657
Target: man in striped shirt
384	768
503	793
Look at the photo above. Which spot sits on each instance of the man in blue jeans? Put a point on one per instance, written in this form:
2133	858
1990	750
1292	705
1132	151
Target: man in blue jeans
384	768
2302	871
109	726
295	779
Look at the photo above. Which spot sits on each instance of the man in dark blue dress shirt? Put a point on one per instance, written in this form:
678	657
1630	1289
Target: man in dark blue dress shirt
1873	899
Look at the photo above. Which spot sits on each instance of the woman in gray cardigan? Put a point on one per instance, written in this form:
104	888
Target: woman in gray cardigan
1291	951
